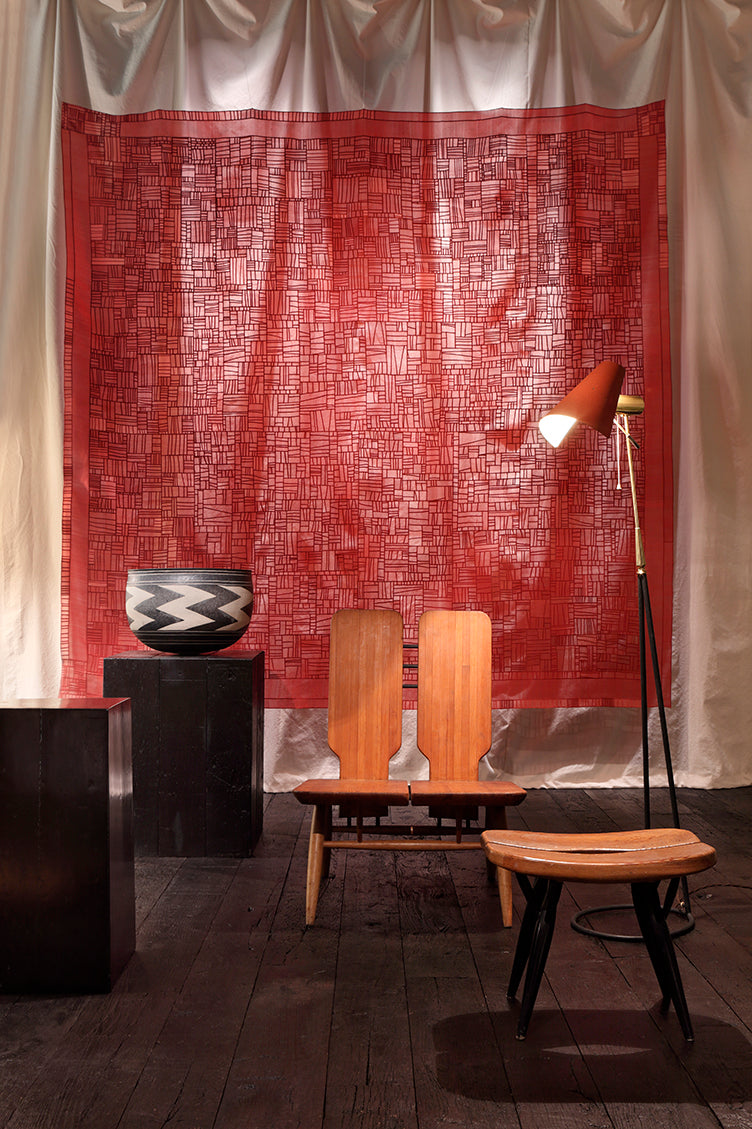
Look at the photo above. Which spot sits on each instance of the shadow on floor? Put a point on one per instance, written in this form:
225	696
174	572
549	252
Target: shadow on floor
627	1056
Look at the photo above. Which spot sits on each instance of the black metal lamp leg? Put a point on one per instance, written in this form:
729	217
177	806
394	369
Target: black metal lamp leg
641	591
645	601
646	618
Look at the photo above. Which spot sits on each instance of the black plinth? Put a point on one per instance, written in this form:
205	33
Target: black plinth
67	922
198	750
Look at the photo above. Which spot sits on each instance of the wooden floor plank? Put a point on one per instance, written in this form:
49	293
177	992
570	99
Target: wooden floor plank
114	1034
719	1063
370	1074
154	876
549	1091
459	1076
278	1071
184	1078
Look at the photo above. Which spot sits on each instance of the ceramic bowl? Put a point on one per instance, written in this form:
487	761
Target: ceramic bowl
189	611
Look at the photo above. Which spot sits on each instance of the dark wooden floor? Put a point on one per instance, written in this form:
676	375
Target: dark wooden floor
390	1012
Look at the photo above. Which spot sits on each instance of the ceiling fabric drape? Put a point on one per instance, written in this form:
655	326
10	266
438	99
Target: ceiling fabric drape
435	56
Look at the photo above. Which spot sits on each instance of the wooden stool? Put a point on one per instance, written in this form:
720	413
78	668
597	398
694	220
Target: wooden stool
641	858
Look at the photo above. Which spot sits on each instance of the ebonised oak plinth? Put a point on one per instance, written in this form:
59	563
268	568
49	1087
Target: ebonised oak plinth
198	743
66	845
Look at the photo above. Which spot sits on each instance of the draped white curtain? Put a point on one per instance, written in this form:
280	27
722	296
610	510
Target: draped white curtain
131	56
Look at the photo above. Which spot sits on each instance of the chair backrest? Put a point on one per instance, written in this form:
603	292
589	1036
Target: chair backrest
365	691
454	692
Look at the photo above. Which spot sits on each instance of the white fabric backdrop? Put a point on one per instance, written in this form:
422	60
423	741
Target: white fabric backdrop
130	56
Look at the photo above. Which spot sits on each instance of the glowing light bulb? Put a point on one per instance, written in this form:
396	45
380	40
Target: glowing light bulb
555	427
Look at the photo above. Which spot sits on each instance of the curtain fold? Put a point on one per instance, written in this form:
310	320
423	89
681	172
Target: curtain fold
30	393
120	57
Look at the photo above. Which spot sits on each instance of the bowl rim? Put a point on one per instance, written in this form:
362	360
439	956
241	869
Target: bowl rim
193	571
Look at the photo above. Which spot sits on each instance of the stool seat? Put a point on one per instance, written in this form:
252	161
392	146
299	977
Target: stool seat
617	856
641	858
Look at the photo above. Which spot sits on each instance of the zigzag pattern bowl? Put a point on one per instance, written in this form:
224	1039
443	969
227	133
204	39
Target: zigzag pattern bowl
189	611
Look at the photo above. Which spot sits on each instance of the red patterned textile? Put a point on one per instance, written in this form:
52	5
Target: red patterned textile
318	346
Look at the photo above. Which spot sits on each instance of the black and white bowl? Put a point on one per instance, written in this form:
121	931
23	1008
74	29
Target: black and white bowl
189	611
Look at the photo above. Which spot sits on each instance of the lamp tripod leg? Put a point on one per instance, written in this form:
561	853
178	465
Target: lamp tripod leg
646	620
641	589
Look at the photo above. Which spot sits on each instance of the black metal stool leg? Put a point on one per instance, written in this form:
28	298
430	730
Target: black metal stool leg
652	922
541	943
645	910
534	894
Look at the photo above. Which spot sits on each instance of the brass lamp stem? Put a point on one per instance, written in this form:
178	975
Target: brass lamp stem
639	551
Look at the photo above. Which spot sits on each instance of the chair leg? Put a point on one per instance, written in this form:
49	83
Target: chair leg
504	883
320	820
656	934
533	946
496	819
328	835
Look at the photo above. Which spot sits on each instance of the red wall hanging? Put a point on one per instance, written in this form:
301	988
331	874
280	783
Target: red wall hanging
318	346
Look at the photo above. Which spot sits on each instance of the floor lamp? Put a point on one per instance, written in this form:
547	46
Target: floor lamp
597	402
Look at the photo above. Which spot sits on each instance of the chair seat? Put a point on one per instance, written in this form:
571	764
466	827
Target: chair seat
450	793
354	792
620	856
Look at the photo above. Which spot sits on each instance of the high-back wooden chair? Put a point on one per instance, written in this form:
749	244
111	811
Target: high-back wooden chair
454	727
364	730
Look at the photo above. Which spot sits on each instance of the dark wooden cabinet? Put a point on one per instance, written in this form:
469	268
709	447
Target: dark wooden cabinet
67	916
198	743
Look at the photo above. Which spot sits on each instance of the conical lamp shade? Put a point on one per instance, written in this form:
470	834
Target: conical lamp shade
593	401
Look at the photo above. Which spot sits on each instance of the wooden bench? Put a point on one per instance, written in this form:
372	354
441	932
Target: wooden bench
642	859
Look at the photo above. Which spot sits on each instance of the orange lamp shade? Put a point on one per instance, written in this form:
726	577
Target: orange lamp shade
592	402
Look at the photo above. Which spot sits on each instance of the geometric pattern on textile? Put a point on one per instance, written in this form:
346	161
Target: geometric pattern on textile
317	346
